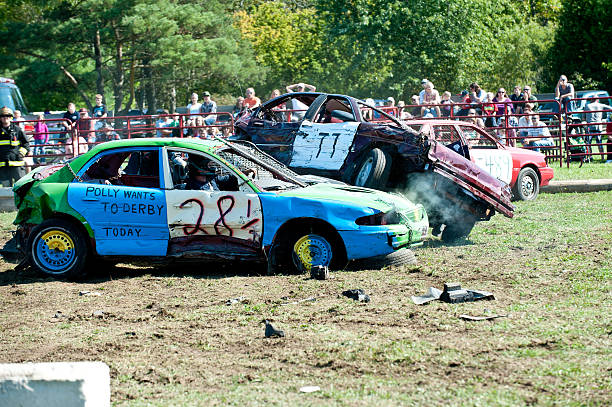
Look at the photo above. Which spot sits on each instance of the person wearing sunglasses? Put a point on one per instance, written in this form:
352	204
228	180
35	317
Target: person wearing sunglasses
564	92
503	106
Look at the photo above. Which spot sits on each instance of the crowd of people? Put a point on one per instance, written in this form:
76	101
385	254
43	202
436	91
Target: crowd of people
512	117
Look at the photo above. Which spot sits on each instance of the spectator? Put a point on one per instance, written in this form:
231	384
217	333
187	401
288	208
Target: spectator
209	106
390	106
99	110
238	107
477	95
251	101
70	118
471	118
528	97
198	130
515	97
41	136
525	121
367	114
447	104
403	113
194	107
85	127
538	135
274	94
424	83
432	98
300	87
564	92
416	110
596	112
108	133
164	124
465	104
18	119
14	147
503	106
82	146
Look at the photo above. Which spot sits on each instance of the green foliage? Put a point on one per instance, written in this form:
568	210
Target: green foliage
582	50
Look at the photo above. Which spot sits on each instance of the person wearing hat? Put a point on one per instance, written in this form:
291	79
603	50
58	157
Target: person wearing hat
424	83
107	133
208	106
202	176
14	147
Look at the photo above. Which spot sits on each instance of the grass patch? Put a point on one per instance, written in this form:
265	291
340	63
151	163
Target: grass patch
169	338
593	170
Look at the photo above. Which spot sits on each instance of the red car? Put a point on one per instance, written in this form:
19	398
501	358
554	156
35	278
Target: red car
524	170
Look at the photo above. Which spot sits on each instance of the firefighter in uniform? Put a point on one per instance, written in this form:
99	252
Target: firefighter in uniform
13	147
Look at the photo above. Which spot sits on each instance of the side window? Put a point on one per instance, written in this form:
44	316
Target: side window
192	171
335	110
446	134
127	168
477	139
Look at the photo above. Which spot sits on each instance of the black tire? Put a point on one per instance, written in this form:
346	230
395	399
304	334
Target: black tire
401	257
47	248
373	171
457	230
527	185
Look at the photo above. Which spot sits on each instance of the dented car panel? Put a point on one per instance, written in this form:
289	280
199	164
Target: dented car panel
142	209
387	155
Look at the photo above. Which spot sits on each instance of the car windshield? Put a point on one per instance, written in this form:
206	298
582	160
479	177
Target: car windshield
271	175
372	114
10	97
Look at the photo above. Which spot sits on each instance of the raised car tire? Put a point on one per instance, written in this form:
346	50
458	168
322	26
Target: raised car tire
527	185
455	231
373	172
58	248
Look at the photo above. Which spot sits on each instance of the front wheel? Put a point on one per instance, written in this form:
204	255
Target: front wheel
311	250
58	248
527	185
373	172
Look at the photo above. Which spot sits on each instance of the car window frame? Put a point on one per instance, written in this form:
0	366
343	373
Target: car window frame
169	184
498	145
101	154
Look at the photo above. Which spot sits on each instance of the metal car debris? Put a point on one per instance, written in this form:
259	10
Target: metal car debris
452	293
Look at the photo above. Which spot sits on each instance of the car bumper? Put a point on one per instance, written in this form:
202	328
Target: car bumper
546	174
371	241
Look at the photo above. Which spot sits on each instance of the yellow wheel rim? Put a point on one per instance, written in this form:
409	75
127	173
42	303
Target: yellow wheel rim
55	251
58	240
312	250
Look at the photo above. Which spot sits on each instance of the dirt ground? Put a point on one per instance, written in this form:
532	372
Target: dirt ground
170	339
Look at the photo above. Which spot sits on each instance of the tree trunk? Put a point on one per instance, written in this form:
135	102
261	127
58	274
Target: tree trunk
150	95
98	62
119	75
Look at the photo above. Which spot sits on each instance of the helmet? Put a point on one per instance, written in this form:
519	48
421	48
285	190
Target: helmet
6	112
199	165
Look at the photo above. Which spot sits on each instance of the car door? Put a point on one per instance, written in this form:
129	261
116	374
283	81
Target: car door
226	223
120	196
488	153
325	136
275	124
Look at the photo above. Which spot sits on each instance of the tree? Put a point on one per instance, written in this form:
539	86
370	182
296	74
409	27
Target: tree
581	49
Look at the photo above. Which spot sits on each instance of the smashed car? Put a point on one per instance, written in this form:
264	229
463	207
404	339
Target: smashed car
189	199
341	137
524	170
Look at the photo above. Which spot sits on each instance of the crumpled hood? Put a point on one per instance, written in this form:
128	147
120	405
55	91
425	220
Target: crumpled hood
382	201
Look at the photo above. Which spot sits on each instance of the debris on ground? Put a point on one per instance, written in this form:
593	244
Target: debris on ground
272	332
58	317
237	300
481	318
319	272
98	314
309	299
452	293
309	389
357	295
86	293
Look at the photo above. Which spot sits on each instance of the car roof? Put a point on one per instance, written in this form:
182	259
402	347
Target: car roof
203	145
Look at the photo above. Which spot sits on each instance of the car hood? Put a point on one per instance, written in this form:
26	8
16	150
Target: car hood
472	178
382	201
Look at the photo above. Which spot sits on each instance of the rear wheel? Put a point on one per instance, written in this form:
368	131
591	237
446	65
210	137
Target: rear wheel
373	172
456	231
58	248
527	185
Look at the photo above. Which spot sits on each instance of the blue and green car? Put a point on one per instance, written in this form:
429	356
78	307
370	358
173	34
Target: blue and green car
135	200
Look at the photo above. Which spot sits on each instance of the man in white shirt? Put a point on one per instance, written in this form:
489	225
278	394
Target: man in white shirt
538	135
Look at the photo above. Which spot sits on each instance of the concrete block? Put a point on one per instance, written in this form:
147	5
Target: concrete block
60	384
7	201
